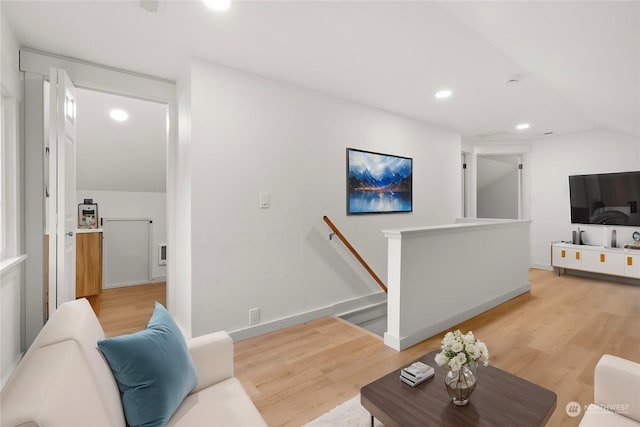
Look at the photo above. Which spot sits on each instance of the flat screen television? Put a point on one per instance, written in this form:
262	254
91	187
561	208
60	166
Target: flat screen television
607	198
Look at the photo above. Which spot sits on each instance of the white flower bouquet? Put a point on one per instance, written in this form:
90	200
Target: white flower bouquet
459	350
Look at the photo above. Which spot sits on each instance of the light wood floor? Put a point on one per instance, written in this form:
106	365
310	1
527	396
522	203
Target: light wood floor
552	336
126	310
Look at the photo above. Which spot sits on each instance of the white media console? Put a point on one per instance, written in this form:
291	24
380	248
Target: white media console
596	259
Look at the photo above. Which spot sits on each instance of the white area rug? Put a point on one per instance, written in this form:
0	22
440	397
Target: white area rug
349	413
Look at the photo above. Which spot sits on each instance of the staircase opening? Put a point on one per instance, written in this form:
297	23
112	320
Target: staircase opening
372	318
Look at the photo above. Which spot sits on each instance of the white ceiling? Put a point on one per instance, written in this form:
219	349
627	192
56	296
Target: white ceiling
120	156
579	61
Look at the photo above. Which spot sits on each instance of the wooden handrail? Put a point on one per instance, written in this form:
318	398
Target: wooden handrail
354	252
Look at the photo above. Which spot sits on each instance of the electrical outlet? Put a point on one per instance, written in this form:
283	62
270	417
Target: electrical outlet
254	316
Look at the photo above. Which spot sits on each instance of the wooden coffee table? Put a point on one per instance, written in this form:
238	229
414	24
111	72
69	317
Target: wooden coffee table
500	399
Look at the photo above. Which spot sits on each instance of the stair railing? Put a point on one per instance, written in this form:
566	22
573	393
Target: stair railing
353	251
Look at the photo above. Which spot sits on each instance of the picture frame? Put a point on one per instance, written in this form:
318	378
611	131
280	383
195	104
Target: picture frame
378	183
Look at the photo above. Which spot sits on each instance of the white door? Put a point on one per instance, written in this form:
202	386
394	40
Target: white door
62	146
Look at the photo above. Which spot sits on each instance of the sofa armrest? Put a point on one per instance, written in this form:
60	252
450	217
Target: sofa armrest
616	386
212	356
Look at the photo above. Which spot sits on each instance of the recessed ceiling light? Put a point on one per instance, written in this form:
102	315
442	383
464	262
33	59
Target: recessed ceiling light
218	5
118	115
445	93
522	126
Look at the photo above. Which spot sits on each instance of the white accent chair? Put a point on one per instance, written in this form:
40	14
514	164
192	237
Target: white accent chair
616	390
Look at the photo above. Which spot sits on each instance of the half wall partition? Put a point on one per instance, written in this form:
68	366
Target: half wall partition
442	275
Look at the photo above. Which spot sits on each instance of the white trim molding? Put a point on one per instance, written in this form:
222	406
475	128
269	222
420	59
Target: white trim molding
337	309
9	263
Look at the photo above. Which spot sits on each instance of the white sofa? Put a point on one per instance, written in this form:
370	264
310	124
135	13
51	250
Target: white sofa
63	380
616	390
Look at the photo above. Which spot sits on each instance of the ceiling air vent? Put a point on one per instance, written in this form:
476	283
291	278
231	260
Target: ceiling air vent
494	134
153	6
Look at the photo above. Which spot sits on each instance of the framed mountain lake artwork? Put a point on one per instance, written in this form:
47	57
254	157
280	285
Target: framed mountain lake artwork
378	183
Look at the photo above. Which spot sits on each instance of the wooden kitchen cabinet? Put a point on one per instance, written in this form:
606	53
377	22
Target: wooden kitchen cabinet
89	265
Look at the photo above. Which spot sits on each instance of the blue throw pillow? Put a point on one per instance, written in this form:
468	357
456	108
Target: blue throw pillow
153	369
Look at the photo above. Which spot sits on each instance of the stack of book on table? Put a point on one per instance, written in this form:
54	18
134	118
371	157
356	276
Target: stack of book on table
416	373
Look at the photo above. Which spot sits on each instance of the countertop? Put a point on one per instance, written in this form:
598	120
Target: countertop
88	230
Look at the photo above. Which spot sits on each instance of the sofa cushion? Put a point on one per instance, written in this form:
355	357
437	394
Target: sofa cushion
223	404
616	385
54	387
153	369
212	354
596	416
75	320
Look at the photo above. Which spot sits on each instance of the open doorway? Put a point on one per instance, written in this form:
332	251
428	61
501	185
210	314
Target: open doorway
37	68
121	180
499	192
121	168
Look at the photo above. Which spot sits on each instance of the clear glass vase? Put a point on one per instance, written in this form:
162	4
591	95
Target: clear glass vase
460	384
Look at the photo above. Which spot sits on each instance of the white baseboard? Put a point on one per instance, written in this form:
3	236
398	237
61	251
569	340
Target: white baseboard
337	309
154	279
366	314
402	343
541	267
123	285
355	305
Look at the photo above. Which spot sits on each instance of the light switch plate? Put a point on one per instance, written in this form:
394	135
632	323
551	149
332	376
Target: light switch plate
265	200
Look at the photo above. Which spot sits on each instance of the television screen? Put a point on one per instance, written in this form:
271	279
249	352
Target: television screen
378	183
609	198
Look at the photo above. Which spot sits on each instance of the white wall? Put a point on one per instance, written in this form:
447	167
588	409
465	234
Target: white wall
9	60
441	276
249	135
129	204
180	210
553	160
500	198
12	273
497	189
